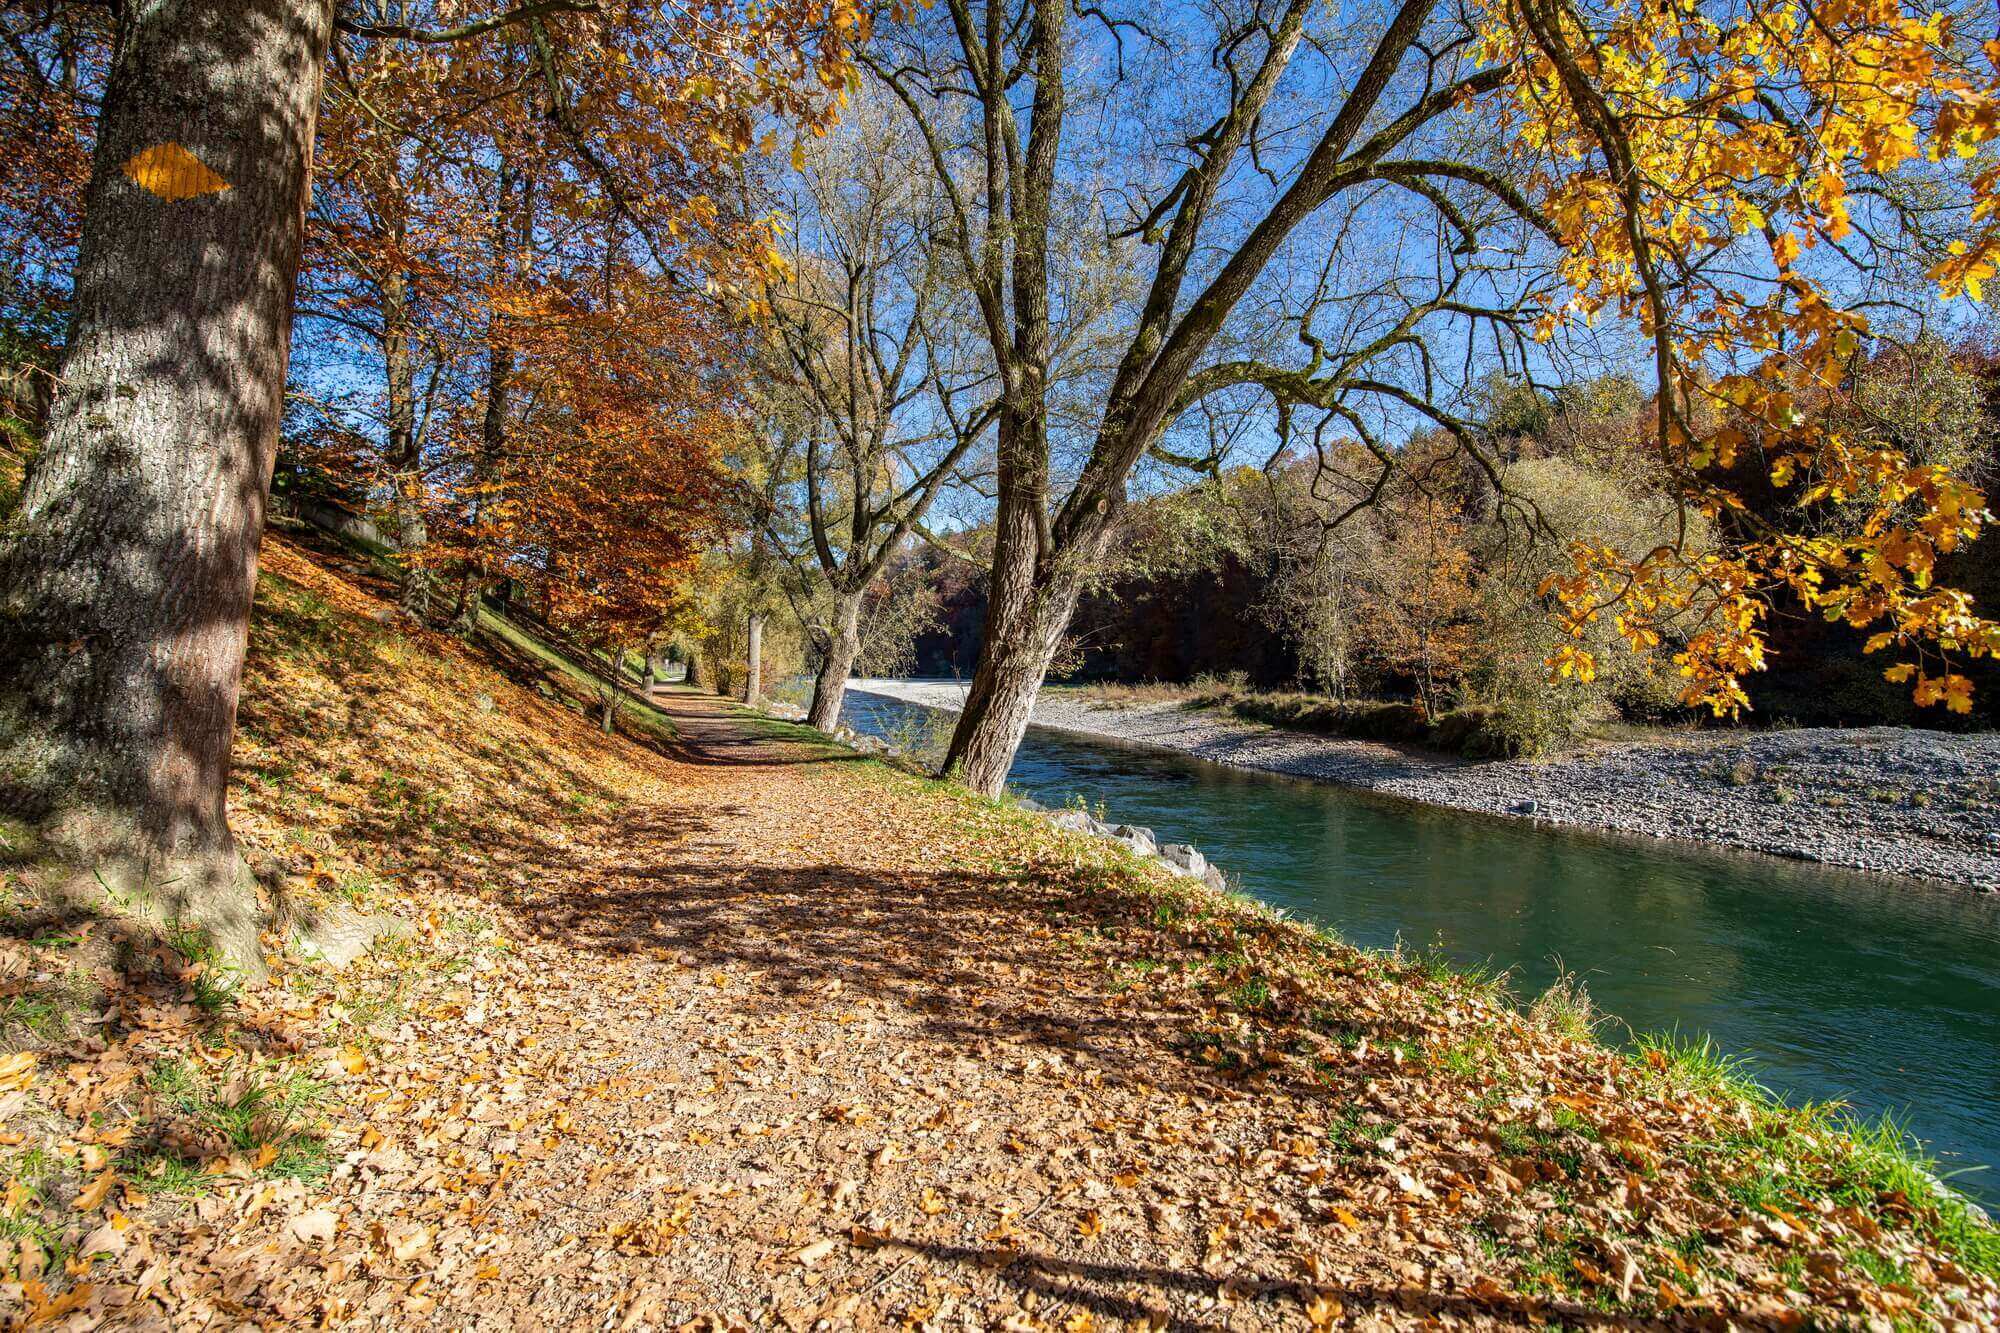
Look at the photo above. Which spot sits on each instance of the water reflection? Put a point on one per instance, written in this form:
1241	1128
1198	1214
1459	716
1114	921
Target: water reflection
1879	992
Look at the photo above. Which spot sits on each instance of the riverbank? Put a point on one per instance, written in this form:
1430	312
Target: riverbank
1882	799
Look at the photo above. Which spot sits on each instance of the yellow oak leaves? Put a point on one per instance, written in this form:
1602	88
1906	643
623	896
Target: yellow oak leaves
1726	177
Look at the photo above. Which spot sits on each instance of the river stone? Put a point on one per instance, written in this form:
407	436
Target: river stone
1185	860
1140	840
1213	877
1076	821
1031	805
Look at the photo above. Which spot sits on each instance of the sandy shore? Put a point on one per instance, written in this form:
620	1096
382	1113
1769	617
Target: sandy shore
1886	799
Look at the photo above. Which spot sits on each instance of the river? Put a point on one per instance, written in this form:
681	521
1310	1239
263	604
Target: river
1881	993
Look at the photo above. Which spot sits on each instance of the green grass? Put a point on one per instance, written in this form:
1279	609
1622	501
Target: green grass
247	1106
766	727
583	685
1565	1010
1789	1156
212	985
45	1014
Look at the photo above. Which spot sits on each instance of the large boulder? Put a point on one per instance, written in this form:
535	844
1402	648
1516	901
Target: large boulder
1140	840
1185	860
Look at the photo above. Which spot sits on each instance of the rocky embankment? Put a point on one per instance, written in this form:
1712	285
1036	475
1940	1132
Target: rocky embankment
1885	799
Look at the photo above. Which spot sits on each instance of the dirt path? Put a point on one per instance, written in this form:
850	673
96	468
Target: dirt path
760	1055
829	1080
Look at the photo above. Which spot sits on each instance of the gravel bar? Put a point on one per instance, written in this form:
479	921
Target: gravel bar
1890	799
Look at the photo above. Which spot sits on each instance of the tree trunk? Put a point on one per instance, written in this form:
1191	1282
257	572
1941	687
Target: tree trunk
401	455
1026	613
513	231
125	587
842	645
753	679
646	681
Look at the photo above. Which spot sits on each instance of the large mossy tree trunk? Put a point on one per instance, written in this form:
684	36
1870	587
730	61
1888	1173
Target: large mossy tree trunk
126	578
842	644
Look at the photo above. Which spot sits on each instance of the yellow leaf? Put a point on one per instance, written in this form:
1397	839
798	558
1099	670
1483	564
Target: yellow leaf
17	1071
173	173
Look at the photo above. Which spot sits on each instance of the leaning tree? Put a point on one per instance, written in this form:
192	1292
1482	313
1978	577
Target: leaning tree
1220	147
872	412
1438	183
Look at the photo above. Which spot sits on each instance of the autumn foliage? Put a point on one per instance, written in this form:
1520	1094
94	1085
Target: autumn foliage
1728	178
537	237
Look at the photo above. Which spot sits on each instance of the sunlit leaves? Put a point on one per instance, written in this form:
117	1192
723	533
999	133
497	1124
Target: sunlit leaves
1701	164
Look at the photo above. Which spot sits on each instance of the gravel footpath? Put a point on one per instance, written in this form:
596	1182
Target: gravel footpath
1886	799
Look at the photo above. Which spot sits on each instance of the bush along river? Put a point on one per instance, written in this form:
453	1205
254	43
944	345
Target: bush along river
1832	986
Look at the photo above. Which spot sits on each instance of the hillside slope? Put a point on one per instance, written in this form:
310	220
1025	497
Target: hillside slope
742	1030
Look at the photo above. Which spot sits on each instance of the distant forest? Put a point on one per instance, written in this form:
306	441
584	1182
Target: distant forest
1223	613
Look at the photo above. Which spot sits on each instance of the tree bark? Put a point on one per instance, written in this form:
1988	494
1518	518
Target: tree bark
842	646
614	680
513	231
1001	697
1027	611
401	455
126	583
753	678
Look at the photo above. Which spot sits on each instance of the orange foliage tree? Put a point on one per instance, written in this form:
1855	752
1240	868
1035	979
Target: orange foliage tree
128	567
1732	178
486	194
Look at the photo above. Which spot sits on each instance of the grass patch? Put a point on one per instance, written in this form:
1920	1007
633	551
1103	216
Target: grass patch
260	1109
582	684
46	1014
209	982
1564	1010
1787	1157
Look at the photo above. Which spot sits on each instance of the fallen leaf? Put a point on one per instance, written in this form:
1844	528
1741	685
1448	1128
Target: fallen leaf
318	1225
92	1195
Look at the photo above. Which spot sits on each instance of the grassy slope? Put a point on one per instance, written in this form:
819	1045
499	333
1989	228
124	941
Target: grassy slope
395	769
375	764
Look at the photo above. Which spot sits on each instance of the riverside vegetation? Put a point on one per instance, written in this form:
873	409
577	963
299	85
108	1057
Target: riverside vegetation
633	1051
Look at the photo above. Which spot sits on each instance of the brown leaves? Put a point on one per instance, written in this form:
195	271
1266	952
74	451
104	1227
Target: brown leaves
315	1226
92	1196
614	1133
